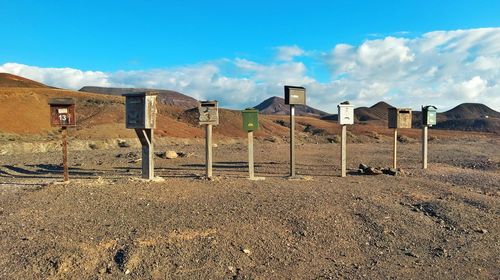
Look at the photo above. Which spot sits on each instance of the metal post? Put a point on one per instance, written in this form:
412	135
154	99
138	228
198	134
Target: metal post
208	142
343	153
250	155
64	133
395	146
146	138
424	147
292	140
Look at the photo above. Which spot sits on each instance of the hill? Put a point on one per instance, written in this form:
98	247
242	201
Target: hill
167	97
276	106
9	80
377	112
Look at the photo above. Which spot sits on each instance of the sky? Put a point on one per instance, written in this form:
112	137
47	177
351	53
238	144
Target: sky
406	53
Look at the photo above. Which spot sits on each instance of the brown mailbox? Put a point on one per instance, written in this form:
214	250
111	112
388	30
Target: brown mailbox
62	112
399	117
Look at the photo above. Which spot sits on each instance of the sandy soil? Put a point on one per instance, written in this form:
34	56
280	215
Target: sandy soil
106	224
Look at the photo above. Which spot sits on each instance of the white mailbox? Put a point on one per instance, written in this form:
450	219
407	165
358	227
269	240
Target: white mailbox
346	113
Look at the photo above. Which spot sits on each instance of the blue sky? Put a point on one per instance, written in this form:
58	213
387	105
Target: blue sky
231	49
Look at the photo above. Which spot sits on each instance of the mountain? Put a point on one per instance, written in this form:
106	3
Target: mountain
168	97
471	111
470	117
8	80
377	112
276	106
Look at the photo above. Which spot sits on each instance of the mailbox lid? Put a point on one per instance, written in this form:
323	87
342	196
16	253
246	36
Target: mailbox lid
209	112
295	95
250	119
345	113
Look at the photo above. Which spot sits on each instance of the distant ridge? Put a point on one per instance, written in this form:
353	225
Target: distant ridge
168	97
276	106
9	80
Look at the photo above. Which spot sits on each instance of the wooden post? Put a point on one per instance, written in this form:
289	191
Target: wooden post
208	143
147	143
292	140
343	153
424	147
394	150
250	155
64	133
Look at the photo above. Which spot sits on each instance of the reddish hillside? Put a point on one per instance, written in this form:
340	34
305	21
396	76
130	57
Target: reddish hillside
9	80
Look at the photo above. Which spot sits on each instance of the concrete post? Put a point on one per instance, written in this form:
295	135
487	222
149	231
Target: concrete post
343	153
292	140
250	155
208	144
424	147
394	150
146	138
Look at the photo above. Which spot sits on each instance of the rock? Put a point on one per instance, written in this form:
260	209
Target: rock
372	171
481	230
246	251
214	145
390	171
334	139
123	143
127	272
363	166
171	155
93	146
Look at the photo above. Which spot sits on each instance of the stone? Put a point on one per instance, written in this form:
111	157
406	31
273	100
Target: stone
123	143
171	155
246	251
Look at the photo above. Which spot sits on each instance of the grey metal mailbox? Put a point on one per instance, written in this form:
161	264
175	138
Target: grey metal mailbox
295	95
399	117
346	113
209	112
140	110
429	115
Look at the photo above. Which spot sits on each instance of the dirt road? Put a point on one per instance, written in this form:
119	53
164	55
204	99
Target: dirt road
441	224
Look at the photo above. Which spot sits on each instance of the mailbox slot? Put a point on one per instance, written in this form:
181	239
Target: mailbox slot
209	112
295	95
250	119
399	117
345	113
140	110
62	112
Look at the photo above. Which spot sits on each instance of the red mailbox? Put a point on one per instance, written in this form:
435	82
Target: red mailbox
62	112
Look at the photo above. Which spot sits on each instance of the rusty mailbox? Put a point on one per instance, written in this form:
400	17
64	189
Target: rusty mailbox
62	112
140	110
399	117
209	112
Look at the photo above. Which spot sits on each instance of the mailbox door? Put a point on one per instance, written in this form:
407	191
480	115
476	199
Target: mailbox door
404	119
345	115
209	115
250	121
295	95
150	111
135	112
431	117
61	115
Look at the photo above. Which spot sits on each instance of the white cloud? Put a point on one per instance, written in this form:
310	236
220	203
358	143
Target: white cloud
287	53
444	68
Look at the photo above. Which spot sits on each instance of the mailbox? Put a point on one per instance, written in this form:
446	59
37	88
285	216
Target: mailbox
295	95
209	112
140	110
250	119
399	117
429	115
346	113
62	112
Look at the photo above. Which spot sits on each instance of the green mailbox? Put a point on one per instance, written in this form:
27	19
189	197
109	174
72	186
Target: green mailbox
250	119
429	115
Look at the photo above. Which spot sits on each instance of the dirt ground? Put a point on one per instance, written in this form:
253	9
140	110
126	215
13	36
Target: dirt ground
106	224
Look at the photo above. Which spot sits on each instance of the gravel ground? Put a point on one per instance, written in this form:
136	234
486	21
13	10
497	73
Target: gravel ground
442	223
